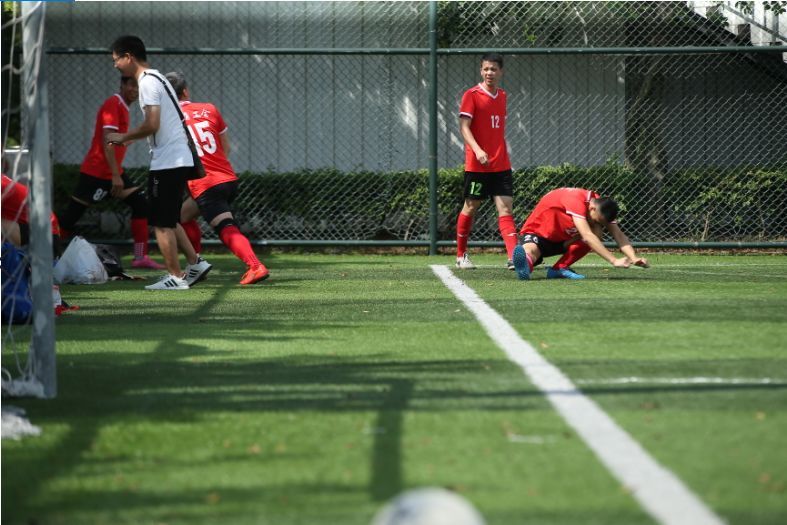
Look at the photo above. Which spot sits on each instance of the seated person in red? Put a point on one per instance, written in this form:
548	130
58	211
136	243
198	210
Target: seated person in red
569	221
15	226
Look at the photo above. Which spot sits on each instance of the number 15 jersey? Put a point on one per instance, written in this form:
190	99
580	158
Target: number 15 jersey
488	125
206	125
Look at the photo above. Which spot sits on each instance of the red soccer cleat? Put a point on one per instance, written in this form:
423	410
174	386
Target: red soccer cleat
254	275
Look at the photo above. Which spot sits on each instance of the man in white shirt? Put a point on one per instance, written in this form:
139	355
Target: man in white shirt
170	162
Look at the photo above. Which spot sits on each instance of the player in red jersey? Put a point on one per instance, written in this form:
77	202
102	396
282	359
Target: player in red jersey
569	221
482	122
101	174
15	225
211	195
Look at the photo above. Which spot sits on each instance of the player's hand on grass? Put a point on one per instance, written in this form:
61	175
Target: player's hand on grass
622	262
641	262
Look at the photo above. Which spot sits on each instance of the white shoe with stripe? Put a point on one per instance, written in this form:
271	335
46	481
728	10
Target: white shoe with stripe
169	282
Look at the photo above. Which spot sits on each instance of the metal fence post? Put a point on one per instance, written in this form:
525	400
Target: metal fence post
42	346
433	128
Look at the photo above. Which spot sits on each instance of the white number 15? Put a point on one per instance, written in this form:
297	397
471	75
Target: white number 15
206	143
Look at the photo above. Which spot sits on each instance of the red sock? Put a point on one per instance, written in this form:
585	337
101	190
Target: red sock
464	223
529	261
139	230
194	234
508	232
574	253
239	245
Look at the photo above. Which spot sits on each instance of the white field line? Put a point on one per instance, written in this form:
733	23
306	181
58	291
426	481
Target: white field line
683	381
657	489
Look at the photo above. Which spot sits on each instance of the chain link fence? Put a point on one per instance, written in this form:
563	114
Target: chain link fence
665	105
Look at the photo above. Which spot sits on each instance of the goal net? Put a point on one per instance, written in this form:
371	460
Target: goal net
28	341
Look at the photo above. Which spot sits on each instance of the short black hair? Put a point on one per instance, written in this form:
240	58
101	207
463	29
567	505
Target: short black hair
493	57
125	79
608	208
133	45
178	81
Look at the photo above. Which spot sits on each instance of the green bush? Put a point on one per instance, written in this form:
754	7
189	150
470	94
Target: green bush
328	204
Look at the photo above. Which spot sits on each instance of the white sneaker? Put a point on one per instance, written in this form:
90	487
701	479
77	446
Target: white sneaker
464	263
197	272
169	282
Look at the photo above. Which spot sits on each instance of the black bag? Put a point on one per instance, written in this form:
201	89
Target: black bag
109	258
199	170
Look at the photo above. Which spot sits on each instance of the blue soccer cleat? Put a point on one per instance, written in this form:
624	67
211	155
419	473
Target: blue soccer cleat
520	263
563	273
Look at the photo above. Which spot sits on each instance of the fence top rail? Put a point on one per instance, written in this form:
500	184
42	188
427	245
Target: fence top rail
690	50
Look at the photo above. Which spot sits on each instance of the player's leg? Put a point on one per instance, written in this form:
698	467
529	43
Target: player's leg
576	249
165	188
89	190
474	188
214	204
134	197
527	255
189	211
505	220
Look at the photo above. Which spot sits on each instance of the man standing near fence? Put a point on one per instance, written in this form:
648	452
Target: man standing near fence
211	195
101	174
569	221
170	165
482	122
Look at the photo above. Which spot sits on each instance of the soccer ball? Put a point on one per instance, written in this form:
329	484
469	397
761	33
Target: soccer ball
428	506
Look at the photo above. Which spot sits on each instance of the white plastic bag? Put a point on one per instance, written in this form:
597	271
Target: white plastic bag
79	264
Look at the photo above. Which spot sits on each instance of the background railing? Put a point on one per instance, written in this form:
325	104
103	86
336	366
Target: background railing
660	104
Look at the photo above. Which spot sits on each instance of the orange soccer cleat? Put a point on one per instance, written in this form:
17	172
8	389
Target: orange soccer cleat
254	275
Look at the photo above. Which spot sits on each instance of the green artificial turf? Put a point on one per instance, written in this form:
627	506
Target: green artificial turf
318	395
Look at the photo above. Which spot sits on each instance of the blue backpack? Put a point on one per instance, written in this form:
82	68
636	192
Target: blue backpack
17	302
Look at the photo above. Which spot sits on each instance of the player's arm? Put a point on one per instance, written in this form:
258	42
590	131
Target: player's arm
109	154
625	245
596	245
225	142
467	135
148	127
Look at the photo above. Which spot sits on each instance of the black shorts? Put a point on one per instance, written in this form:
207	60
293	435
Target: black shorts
480	185
216	200
94	190
165	195
548	248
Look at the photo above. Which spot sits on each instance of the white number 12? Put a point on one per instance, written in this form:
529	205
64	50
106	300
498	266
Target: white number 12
495	121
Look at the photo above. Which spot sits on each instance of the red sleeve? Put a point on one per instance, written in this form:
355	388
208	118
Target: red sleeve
467	107
109	114
221	126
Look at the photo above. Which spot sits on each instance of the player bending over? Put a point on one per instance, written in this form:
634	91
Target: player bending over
101	174
569	221
211	195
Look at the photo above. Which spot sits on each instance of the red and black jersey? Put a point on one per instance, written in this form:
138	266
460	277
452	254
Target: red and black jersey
488	125
206	124
113	116
553	216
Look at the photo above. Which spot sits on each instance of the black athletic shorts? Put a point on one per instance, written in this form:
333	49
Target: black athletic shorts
165	195
216	200
548	248
480	185
94	190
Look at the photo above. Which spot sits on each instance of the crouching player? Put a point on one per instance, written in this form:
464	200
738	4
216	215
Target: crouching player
211	195
15	220
569	221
